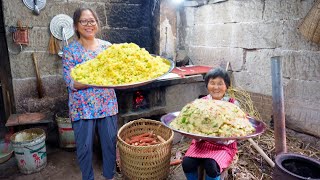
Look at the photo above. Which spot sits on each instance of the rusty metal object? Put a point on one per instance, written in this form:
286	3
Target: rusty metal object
21	35
278	106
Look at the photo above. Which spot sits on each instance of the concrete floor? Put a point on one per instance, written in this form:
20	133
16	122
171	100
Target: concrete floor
62	164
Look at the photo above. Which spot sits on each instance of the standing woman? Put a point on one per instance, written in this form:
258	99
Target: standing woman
90	108
212	156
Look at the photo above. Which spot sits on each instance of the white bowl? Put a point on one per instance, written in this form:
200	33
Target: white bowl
5	152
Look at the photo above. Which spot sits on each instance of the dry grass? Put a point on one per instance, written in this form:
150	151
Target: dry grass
252	165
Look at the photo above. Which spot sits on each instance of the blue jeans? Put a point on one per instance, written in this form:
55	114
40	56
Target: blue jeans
84	131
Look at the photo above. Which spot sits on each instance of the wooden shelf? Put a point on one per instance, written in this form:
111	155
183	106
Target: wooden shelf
28	118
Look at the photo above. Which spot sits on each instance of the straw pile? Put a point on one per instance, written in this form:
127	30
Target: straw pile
251	165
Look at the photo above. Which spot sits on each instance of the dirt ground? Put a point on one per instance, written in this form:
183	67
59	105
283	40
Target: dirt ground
62	164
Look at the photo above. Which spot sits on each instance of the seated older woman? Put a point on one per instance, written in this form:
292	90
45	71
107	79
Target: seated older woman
212	156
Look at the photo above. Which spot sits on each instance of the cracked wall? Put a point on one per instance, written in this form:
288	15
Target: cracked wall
248	33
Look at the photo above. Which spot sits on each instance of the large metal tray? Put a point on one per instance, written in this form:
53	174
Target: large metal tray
259	126
133	85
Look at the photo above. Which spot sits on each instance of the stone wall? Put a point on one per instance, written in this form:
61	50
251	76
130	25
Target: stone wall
121	21
248	33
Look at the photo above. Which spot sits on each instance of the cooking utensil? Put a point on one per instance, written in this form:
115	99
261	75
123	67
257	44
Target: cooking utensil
39	82
133	85
61	27
64	42
259	127
36	10
5	151
31	4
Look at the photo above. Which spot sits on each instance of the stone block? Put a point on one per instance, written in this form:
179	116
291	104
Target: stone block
303	65
304	7
46	104
229	12
98	6
141	36
129	15
52	86
38	39
127	1
303	116
286	9
40	33
293	39
138	1
101	12
214	56
217	35
257	35
22	65
259	61
241	35
24	88
189	16
167	40
88	2
253	82
185	92
302	90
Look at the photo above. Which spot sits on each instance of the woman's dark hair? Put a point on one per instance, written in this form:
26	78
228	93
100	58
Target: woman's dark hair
77	14
217	72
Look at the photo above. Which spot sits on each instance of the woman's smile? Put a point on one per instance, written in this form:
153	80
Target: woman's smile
217	88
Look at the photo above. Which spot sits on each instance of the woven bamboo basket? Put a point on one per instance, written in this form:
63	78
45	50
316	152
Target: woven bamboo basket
310	26
145	162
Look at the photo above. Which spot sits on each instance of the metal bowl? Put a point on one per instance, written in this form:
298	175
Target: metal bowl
5	152
259	126
133	85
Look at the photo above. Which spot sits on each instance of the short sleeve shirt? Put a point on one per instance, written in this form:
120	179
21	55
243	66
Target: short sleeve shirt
90	103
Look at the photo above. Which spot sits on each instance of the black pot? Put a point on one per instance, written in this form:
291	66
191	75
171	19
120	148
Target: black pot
294	166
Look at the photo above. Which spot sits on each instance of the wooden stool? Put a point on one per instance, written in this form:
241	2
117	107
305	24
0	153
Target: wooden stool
224	174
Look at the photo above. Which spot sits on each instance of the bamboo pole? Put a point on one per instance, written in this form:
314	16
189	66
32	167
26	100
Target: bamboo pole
260	151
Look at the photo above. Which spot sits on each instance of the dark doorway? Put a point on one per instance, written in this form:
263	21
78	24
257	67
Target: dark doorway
5	77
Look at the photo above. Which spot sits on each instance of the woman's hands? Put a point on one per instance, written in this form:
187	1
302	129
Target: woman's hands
78	85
